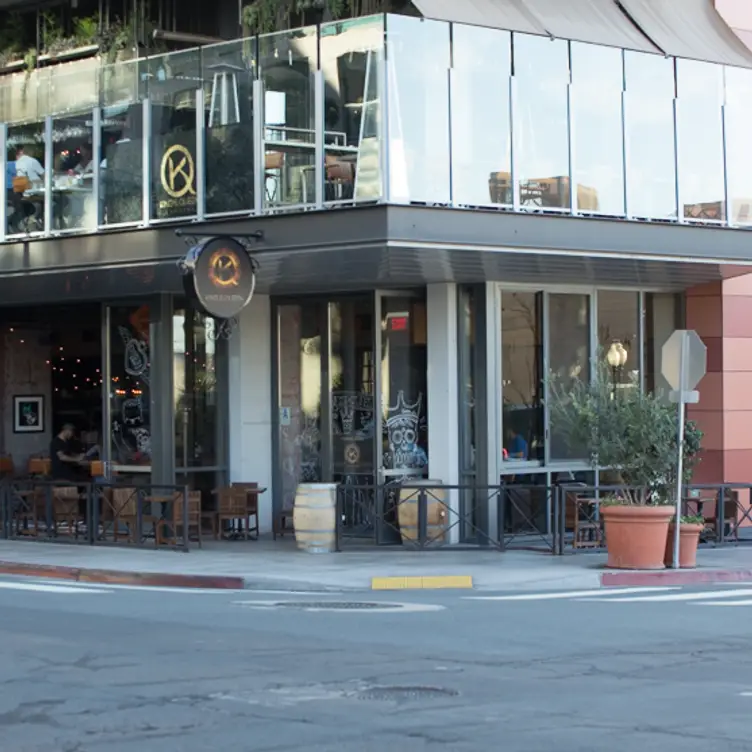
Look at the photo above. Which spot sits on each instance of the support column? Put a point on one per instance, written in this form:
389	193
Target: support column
443	394
162	391
250	399
721	313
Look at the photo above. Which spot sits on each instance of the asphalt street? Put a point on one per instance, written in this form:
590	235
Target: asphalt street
89	669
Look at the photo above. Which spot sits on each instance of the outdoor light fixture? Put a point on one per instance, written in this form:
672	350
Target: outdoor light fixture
617	355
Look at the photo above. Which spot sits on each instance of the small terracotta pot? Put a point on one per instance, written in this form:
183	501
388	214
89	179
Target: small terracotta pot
689	537
636	536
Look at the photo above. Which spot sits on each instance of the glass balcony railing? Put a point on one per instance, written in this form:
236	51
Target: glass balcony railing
378	109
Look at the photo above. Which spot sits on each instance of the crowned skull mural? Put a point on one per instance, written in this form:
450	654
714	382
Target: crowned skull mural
404	424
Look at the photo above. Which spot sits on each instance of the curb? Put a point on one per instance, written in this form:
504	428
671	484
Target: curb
672	577
112	577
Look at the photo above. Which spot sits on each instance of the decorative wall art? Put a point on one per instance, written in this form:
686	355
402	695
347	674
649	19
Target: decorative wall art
28	414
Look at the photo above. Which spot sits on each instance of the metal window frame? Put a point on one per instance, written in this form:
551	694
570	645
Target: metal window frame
49	158
4	182
200	177
146	162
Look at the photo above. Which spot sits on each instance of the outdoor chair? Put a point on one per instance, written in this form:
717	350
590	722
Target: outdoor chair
232	505
174	520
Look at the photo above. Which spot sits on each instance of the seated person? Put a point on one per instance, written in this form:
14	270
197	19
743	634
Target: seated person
64	459
517	448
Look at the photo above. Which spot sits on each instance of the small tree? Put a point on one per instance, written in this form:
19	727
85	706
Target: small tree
631	432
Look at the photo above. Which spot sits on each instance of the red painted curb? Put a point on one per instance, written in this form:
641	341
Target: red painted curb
111	577
673	577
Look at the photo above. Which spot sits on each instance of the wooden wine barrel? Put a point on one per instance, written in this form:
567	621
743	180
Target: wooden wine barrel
436	512
314	517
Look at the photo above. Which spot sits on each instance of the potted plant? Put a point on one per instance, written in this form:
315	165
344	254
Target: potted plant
632	433
690	529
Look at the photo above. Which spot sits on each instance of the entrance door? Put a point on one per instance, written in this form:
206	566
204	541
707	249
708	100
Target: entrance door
351	399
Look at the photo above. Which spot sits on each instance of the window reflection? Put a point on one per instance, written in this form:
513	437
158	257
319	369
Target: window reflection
522	375
649	123
598	82
541	128
661	320
619	324
351	57
738	119
25	178
287	63
227	73
418	60
569	356
700	145
481	134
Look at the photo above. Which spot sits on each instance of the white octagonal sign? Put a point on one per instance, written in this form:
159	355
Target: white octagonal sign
684	343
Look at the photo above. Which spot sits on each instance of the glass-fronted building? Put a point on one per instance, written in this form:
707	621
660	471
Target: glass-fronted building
444	213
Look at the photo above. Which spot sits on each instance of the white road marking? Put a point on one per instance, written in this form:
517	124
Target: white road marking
704	596
383	608
38	588
733	603
599	593
160	589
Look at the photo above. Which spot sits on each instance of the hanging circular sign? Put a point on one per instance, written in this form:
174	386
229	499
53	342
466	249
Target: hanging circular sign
221	275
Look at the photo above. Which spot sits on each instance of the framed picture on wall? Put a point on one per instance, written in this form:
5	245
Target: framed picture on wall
28	414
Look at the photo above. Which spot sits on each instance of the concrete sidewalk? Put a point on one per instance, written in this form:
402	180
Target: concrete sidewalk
267	565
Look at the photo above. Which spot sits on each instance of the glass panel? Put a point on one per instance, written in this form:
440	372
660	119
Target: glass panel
568	356
660	322
120	84
173	80
404	393
299	345
649	125
130	374
26	168
481	129
287	64
196	350
541	122
619	327
352	372
73	87
228	72
700	131
418	61
738	118
598	84
522	375
121	167
73	178
352	56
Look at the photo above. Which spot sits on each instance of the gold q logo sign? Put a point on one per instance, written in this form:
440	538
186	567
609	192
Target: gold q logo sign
224	269
178	172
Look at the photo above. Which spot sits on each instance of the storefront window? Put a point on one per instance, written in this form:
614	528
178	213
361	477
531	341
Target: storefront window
26	160
227	73
661	319
619	327
481	130
522	375
541	121
130	386
738	118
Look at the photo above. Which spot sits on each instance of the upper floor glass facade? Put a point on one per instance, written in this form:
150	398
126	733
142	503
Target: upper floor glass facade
384	108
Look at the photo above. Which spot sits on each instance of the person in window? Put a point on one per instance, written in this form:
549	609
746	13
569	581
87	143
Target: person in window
29	167
65	461
517	448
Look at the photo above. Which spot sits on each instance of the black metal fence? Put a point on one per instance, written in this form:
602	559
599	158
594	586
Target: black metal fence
437	516
98	513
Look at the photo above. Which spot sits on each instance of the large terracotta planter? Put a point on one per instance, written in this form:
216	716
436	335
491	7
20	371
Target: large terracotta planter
689	537
636	536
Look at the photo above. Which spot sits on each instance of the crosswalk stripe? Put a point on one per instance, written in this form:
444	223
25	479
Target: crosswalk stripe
37	588
602	593
674	597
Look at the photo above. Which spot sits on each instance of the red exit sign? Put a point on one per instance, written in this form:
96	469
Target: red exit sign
399	323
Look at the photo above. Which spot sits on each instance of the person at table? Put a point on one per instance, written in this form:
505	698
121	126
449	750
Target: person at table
12	199
517	448
65	461
29	167
85	166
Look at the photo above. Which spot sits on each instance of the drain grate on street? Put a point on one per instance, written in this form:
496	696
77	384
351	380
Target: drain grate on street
331	605
405	694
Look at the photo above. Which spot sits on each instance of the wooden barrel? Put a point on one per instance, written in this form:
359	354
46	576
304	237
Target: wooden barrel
436	511
314	517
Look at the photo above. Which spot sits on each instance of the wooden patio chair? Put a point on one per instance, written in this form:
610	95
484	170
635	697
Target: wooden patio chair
232	504
252	493
174	521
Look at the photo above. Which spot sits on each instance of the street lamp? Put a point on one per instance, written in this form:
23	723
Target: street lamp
616	357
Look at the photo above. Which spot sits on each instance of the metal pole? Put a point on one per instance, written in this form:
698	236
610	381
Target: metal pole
680	443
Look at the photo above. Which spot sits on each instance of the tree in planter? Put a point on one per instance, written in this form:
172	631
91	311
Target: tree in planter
627	430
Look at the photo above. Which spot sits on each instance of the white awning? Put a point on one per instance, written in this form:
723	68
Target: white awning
596	21
690	28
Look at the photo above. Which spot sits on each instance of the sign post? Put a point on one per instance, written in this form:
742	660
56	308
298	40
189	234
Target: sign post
684	364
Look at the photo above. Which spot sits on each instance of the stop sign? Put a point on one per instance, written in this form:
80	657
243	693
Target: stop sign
684	344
